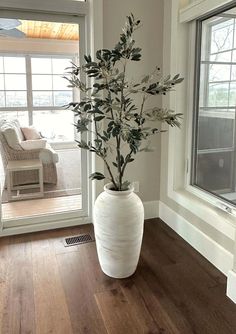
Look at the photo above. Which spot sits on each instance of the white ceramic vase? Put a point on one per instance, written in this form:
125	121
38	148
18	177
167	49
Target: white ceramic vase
118	225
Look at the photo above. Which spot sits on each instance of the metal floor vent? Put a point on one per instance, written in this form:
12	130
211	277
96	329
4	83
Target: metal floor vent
77	240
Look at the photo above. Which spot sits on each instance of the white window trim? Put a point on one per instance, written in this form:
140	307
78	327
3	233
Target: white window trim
194	200
198	8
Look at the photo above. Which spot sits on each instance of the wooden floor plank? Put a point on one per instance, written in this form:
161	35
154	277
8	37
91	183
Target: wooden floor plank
122	319
19	310
4	271
51	311
166	313
139	308
79	282
48	288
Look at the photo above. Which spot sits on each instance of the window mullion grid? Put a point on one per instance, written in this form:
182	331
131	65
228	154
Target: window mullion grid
29	88
4	82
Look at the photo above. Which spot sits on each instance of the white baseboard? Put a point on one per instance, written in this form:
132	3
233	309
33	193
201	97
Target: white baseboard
151	209
211	250
231	285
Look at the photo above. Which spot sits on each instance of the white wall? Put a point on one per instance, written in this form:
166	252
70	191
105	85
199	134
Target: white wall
146	169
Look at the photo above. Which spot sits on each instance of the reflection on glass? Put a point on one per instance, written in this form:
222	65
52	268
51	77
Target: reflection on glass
222	36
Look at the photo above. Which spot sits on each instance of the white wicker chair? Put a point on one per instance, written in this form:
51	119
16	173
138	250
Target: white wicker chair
48	157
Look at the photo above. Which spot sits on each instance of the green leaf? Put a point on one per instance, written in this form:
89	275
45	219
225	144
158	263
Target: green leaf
99	118
130	160
97	176
125	185
145	79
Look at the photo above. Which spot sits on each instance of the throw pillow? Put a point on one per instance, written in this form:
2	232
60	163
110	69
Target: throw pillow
30	133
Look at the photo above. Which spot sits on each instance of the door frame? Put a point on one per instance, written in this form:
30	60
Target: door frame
89	15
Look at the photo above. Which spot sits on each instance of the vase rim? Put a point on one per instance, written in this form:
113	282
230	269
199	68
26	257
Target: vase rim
108	189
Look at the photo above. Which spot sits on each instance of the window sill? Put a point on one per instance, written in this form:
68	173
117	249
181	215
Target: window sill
208	212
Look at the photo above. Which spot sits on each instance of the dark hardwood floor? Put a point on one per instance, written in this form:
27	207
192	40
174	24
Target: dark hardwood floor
47	288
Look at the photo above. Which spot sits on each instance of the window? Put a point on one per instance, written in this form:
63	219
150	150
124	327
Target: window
32	89
214	155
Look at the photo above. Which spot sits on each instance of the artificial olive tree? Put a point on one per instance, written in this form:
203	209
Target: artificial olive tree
108	107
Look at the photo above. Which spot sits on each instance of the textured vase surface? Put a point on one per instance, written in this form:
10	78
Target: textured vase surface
118	225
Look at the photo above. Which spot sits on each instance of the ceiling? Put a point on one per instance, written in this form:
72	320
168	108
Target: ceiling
50	30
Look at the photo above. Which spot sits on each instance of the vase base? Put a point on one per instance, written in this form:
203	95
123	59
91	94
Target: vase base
118	276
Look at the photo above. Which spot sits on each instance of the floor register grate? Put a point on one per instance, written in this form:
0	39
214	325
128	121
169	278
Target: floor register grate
78	240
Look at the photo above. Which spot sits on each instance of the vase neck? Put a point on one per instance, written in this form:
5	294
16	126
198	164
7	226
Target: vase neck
108	189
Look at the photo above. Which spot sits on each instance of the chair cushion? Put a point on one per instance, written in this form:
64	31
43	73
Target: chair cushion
30	133
12	136
33	144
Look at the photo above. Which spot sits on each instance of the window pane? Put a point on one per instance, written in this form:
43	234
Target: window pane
60	83
16	99
214	171
1	82
22	116
42	99
232	95
2	99
56	125
62	98
15	82
41	65
215	133
214	168
1	64
222	36
219	72
59	65
218	95
42	82
14	64
221	57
